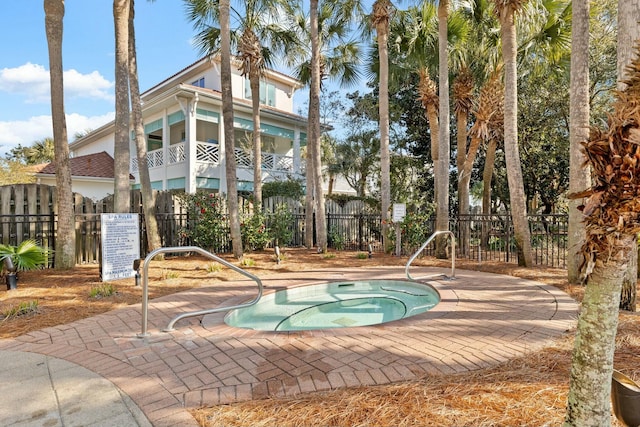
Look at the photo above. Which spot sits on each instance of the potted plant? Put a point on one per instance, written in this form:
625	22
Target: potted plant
26	256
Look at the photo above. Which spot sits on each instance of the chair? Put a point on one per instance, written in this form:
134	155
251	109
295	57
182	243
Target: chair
625	399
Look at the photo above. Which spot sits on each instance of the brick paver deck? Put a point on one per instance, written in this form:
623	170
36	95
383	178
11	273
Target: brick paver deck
483	319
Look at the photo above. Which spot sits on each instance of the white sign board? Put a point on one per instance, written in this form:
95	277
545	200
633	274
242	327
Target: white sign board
120	234
399	212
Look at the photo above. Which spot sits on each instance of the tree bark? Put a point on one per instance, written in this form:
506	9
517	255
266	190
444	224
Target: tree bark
517	198
628	35
579	173
229	143
148	200
487	174
254	82
588	401
442	165
314	130
121	149
65	257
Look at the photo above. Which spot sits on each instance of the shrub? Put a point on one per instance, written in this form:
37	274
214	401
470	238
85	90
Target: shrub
102	290
290	188
280	225
254	231
209	226
24	308
26	256
336	239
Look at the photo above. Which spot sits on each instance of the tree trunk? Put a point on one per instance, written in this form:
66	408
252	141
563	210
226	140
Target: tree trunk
487	174
463	181
628	35
148	200
382	31
65	257
314	130
579	173
254	82
517	198
442	165
121	150
588	401
227	113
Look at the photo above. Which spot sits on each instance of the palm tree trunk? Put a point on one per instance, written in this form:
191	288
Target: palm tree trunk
487	174
580	175
227	113
442	165
65	257
121	150
381	13
588	401
628	35
463	180
314	130
148	200
512	156
254	82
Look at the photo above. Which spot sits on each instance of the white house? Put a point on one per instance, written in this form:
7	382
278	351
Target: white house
184	130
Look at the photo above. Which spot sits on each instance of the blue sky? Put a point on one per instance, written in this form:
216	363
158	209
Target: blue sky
164	47
163	36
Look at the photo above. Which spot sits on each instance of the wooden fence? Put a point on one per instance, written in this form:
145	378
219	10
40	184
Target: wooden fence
28	211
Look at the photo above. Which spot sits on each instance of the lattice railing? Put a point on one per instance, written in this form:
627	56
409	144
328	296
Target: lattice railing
155	158
176	153
207	152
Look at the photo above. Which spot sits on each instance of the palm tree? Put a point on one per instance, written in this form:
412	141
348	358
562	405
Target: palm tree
259	39
580	177
42	151
148	202
382	10
507	11
611	216
65	257
332	55
121	151
227	113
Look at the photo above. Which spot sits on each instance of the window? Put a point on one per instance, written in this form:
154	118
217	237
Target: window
199	82
267	92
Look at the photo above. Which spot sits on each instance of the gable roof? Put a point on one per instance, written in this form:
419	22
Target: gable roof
97	165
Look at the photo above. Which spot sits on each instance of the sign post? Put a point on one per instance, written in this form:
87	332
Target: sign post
399	212
120	236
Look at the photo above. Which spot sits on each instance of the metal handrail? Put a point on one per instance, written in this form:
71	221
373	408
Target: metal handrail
145	287
424	245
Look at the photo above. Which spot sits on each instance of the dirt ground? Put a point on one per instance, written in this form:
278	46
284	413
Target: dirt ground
527	391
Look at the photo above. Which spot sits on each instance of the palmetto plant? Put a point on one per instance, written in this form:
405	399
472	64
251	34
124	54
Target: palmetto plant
28	255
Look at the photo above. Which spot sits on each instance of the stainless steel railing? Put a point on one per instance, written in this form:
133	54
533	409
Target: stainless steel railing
424	245
145	287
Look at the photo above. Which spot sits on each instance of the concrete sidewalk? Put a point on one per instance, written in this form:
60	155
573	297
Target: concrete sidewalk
39	390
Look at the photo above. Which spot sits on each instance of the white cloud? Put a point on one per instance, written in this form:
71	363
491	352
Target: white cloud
25	132
32	81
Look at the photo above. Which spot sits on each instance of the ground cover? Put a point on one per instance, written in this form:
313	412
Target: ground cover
525	391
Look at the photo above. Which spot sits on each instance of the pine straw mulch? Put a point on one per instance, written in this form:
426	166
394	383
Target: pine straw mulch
526	391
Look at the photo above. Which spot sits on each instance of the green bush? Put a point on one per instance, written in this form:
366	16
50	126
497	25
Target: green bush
209	226
280	225
336	239
254	231
292	188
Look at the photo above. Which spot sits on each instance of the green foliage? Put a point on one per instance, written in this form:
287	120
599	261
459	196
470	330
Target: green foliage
254	231
209	225
280	223
102	290
169	274
292	188
414	231
214	268
328	255
336	239
362	255
26	256
247	262
24	308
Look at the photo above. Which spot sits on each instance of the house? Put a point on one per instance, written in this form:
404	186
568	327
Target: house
184	131
91	175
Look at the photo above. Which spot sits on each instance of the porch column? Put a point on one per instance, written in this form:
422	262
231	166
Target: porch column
222	165
189	109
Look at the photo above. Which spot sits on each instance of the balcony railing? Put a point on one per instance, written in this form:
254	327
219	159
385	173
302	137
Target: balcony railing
207	152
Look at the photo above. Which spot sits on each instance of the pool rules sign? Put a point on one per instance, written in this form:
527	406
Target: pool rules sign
120	235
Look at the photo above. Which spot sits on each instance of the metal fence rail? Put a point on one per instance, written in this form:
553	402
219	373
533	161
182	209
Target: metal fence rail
478	237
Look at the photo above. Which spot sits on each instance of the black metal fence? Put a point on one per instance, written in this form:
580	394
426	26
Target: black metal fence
478	237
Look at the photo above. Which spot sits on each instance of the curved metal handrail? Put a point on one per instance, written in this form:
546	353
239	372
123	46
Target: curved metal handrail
424	245
145	287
